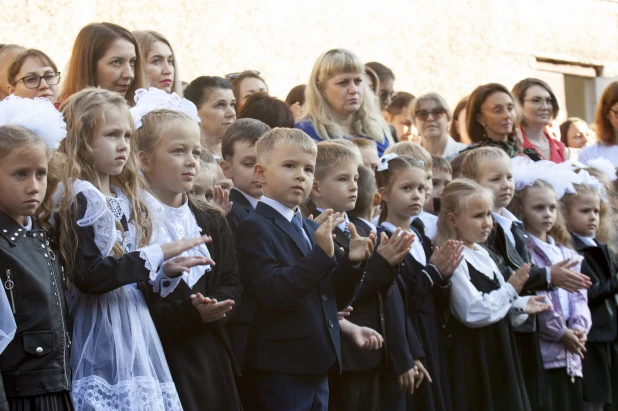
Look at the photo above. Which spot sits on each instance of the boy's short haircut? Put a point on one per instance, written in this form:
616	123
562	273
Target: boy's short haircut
348	144
283	137
331	153
471	165
441	164
413	150
246	130
207	157
363	142
367	188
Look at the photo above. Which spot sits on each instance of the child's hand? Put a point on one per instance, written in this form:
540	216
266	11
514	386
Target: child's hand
395	249
447	258
366	338
360	247
572	344
422	373
323	216
324	237
562	276
221	199
345	313
171	250
581	334
210	310
519	278
536	305
176	266
406	381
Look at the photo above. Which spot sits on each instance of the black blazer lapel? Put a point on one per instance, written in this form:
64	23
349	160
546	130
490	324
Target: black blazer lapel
238	198
284	225
361	227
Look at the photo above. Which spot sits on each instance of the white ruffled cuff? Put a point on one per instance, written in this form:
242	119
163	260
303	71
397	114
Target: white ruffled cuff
153	261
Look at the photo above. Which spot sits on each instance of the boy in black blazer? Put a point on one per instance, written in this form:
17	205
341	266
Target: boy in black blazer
300	287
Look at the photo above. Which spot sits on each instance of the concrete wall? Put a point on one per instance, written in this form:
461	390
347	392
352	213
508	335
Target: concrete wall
448	46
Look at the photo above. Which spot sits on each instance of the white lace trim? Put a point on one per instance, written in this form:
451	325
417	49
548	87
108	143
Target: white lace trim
137	394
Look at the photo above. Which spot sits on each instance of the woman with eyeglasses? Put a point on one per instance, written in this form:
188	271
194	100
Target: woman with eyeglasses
539	108
245	84
33	74
431	118
606	121
339	104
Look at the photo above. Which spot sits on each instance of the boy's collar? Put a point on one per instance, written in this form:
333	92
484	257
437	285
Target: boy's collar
252	200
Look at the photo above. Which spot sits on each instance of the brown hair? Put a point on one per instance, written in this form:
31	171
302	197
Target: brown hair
605	131
145	40
520	89
198	91
383	72
269	110
412	150
461	105
441	164
565	126
244	130
296	95
375	80
559	231
84	112
384	178
91	44
400	102
331	154
367	189
237	81
475	130
471	165
21	58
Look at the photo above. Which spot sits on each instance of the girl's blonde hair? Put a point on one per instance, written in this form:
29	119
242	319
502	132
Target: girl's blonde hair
384	178
155	124
412	150
368	120
455	198
84	112
559	231
474	159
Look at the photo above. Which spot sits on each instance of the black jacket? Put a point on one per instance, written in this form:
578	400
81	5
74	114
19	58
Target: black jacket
602	293
37	360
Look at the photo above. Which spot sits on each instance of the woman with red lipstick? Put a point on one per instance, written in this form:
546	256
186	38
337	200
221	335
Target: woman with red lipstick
104	55
539	107
33	74
159	61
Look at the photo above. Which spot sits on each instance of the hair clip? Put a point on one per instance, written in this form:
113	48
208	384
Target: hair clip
232	76
605	166
383	163
156	99
37	115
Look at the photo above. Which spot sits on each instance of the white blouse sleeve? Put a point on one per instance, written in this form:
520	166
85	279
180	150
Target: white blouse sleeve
474	308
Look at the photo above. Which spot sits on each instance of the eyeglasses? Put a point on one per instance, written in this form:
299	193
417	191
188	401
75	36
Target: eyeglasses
436	113
538	101
33	81
232	76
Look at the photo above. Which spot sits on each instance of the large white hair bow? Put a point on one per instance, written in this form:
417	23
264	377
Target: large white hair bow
605	166
156	99
561	178
37	115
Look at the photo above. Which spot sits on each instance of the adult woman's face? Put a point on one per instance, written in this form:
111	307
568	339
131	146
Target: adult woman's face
217	112
116	69
159	66
248	87
537	106
577	134
497	115
29	74
344	93
386	93
612	116
431	120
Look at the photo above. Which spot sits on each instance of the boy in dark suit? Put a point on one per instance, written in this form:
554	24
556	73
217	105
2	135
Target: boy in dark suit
300	287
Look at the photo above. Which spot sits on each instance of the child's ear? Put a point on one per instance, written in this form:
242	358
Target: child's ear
145	161
452	220
315	189
377	199
227	169
383	194
259	171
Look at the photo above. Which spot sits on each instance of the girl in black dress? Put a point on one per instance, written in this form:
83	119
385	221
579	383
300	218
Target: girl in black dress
485	366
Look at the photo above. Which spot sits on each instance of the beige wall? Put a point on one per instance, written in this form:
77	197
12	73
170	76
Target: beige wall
448	46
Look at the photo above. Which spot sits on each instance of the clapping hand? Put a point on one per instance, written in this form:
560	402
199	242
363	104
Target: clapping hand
395	249
447	258
360	247
210	309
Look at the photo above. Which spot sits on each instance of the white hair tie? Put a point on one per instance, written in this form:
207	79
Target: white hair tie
605	166
37	115
383	163
559	176
153	99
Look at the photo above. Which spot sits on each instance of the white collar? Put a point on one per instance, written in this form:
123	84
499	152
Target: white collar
282	209
178	213
369	223
28	225
452	147
506	214
391	227
252	200
480	259
589	241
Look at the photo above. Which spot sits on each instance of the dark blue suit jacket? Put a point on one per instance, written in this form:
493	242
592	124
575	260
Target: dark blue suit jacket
296	329
240	209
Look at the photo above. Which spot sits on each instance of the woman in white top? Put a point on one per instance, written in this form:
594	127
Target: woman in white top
606	120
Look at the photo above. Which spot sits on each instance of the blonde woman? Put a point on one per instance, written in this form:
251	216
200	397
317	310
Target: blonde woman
339	104
160	64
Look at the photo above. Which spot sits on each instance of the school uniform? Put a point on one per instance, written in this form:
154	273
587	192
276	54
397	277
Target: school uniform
600	366
427	298
242	205
486	374
509	240
295	338
199	354
563	369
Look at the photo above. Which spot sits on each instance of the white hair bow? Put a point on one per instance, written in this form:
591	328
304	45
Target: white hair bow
605	166
383	163
37	115
560	177
156	99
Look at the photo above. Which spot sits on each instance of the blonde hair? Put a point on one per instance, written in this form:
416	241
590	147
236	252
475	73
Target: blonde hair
283	137
145	40
368	120
84	112
413	150
155	124
559	231
455	198
471	165
606	231
441	164
384	178
334	151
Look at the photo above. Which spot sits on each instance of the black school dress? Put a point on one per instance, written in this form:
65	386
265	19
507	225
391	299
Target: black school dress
485	365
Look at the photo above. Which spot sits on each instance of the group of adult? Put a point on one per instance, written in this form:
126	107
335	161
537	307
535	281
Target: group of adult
343	98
